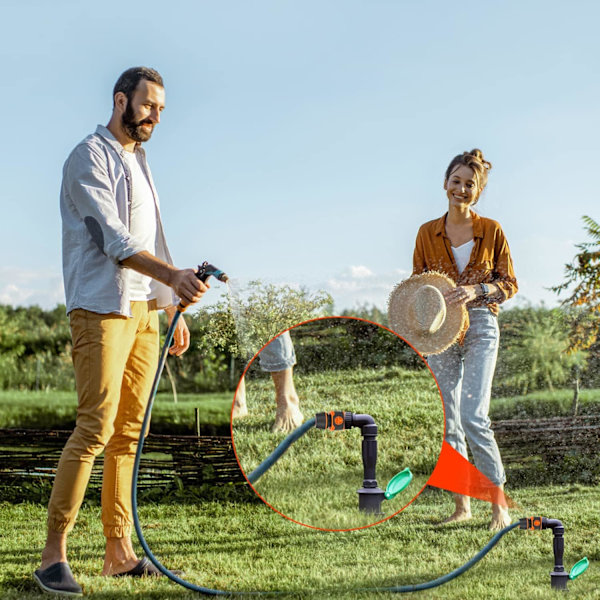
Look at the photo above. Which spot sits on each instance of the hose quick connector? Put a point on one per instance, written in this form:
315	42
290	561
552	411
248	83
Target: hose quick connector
334	420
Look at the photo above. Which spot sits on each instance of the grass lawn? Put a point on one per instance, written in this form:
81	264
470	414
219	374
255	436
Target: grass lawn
245	546
544	404
249	547
316	480
56	410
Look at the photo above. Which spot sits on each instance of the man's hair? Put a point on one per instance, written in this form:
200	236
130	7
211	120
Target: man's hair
128	81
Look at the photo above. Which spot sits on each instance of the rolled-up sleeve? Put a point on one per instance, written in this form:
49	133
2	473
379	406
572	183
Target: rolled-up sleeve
419	264
88	183
504	274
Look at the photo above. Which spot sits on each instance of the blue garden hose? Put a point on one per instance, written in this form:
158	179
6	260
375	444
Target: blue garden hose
283	446
453	574
266	464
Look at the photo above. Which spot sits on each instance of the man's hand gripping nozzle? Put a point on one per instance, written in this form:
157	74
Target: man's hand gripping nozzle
205	270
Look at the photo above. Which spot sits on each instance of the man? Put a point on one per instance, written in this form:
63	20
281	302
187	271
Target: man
117	271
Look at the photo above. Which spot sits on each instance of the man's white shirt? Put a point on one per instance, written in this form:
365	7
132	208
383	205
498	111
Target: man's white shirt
142	225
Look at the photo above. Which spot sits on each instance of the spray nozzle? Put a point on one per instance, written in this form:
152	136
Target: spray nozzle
205	270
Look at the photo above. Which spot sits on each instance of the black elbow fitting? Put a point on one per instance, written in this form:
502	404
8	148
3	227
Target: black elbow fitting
361	421
558	577
370	496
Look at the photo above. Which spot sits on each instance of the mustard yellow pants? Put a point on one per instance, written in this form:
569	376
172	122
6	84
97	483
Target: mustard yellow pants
115	359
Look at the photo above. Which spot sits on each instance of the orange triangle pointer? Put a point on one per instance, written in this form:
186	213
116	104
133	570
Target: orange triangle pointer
453	472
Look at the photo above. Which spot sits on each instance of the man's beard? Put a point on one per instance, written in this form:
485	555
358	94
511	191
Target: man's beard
134	128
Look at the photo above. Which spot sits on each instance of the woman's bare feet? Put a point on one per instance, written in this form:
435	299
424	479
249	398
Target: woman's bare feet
500	518
287	415
462	509
239	404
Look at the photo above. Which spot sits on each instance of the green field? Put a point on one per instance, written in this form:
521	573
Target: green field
244	545
249	547
56	410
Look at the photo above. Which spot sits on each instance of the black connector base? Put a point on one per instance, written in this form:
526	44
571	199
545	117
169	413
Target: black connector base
370	499
559	580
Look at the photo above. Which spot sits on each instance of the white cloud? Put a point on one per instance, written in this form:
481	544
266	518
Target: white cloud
360	271
360	285
23	287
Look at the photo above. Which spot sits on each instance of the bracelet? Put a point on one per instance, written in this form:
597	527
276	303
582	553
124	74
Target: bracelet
485	289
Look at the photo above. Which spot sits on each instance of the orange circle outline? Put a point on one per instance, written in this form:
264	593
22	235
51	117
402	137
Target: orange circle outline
244	374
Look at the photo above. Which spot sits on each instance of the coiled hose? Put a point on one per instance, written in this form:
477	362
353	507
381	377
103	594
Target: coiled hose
260	470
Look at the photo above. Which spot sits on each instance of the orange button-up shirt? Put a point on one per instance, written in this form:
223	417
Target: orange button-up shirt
490	260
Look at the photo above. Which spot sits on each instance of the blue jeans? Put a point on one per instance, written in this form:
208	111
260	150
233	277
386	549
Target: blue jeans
278	354
464	374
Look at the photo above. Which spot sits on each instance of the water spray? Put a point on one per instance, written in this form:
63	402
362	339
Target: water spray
340	420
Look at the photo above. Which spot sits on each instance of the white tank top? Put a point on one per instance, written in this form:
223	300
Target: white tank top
462	254
142	225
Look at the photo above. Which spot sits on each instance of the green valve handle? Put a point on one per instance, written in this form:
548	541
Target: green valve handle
398	483
579	568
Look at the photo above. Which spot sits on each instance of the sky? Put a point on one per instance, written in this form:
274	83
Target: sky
305	142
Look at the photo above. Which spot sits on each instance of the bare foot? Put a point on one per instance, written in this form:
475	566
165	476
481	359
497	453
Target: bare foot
500	518
287	416
457	516
239	409
462	509
239	404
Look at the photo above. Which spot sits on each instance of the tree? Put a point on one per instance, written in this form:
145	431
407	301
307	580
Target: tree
252	316
35	348
534	349
369	312
584	300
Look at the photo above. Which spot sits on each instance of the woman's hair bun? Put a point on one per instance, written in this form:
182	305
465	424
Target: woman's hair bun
477	154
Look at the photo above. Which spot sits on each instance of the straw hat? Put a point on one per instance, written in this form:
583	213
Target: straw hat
418	312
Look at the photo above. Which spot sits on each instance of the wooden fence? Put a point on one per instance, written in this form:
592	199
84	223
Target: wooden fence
560	449
27	454
528	445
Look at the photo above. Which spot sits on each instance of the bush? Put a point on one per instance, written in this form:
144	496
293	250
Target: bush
534	351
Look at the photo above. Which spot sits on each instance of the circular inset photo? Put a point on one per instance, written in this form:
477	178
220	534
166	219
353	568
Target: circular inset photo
337	423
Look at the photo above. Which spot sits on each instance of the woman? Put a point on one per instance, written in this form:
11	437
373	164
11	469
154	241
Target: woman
473	251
